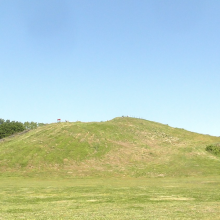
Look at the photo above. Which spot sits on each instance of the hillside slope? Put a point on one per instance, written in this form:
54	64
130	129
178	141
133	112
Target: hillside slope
120	147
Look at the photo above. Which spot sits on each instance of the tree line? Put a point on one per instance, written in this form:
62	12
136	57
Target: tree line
8	127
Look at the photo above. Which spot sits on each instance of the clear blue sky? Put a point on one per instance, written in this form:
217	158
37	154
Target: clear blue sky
93	60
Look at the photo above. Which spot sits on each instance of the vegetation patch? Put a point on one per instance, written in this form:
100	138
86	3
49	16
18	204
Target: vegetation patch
8	128
214	149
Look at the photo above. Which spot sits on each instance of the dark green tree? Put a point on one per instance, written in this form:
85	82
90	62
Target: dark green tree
8	128
1	121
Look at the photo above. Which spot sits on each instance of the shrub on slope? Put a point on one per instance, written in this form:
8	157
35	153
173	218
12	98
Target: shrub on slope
214	149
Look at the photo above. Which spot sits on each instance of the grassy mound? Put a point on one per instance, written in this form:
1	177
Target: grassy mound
120	147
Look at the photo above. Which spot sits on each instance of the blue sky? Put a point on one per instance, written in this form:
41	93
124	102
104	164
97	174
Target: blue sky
95	60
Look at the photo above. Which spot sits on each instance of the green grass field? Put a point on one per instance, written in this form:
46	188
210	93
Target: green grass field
126	168
129	198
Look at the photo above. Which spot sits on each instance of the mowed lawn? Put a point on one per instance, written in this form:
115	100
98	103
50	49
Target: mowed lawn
128	198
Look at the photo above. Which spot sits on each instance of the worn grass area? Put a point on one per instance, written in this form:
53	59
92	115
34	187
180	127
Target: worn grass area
110	198
121	147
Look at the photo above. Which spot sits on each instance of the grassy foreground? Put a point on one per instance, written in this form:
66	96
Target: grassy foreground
165	198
